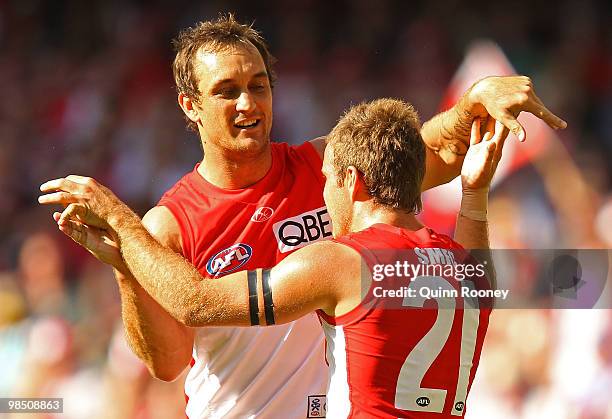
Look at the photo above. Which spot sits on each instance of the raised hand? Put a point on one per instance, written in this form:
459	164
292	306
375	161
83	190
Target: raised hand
87	201
484	154
89	215
504	98
100	243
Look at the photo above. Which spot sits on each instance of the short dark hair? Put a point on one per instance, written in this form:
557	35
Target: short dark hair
382	140
215	36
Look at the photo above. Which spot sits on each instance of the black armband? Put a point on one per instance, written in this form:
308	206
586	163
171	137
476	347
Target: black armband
267	296
253	301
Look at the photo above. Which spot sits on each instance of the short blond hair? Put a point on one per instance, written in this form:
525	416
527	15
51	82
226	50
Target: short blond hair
382	140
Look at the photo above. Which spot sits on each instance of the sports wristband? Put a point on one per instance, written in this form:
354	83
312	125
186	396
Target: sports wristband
474	204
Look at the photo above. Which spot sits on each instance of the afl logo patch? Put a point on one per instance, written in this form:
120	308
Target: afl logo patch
262	214
423	401
229	260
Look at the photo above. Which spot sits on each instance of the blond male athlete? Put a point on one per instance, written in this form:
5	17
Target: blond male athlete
249	204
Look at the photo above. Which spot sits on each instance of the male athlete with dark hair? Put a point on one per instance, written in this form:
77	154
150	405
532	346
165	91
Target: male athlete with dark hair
247	205
374	164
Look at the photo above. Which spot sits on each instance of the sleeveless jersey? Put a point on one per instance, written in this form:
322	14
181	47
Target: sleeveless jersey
396	357
263	372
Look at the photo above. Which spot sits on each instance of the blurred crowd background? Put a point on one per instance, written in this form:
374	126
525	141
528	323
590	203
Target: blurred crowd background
87	89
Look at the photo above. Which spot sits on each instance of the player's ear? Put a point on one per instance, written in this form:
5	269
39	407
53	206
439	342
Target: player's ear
188	106
353	179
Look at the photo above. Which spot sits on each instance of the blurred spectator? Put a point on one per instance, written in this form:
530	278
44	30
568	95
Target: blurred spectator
41	273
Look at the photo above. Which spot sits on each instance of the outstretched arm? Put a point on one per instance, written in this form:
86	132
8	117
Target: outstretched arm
300	284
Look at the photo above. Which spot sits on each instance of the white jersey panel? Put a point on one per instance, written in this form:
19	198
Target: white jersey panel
263	372
338	401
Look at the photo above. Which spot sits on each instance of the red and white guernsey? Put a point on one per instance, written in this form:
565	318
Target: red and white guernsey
404	357
267	372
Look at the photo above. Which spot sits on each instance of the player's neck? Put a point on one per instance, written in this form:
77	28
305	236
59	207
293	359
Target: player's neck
368	215
231	171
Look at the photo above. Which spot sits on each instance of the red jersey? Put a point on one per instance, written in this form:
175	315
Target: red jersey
406	355
225	230
266	372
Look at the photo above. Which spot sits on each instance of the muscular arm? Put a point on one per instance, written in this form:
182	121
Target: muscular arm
164	344
165	292
447	134
157	339
300	284
446	138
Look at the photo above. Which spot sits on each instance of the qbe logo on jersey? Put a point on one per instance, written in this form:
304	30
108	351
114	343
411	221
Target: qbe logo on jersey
229	260
308	227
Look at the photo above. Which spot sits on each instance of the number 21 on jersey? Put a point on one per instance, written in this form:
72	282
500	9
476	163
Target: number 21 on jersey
409	394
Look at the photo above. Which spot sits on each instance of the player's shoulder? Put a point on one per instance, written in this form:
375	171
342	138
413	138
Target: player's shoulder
162	225
328	255
310	150
332	248
182	186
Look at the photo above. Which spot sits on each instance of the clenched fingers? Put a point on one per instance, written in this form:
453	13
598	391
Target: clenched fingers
80	213
510	122
72	212
75	230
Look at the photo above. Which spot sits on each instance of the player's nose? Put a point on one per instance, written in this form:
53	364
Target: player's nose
245	103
